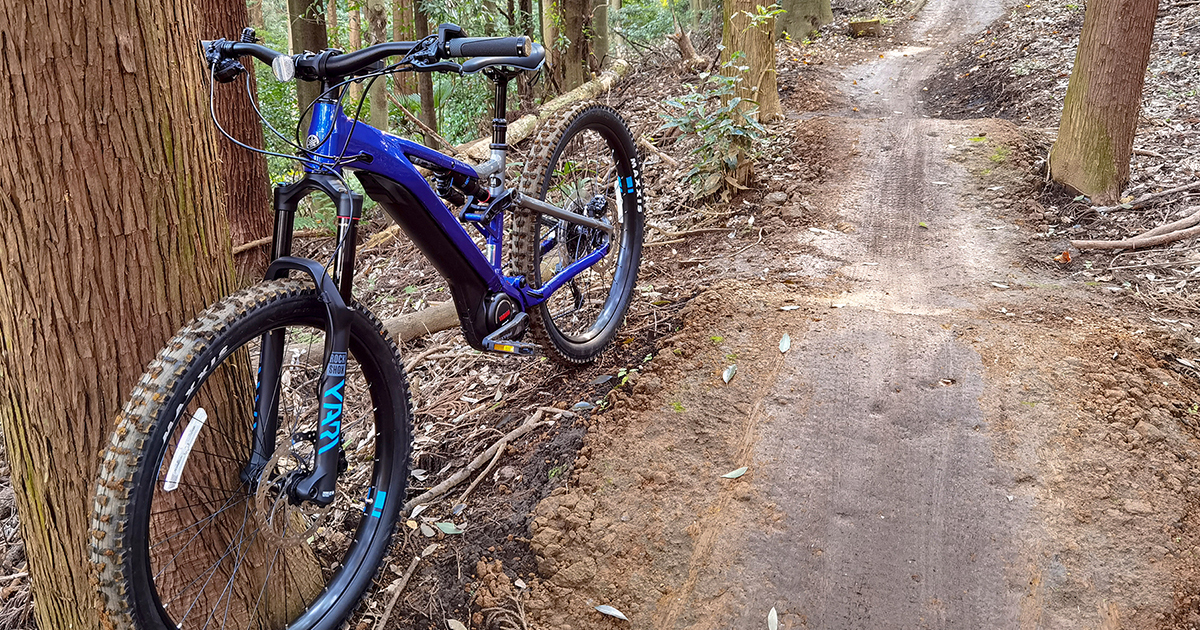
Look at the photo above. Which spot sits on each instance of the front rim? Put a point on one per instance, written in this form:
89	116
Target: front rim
295	566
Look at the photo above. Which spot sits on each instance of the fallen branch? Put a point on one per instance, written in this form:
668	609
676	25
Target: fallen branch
1182	224
1149	153
387	612
1140	242
431	319
266	240
415	361
436	493
1150	197
645	143
524	126
478	478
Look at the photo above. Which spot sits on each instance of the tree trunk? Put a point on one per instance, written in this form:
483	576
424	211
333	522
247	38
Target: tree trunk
758	45
599	48
331	24
255	12
307	28
428	114
356	88
376	14
802	17
563	23
247	185
525	26
404	30
113	235
1100	113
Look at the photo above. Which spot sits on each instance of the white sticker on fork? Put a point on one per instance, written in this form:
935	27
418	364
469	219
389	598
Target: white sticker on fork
183	449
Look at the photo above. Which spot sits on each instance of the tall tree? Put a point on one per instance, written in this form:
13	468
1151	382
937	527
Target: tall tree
563	27
355	44
751	32
524	20
255	11
404	30
247	185
1100	113
428	113
306	27
377	20
112	231
599	48
331	24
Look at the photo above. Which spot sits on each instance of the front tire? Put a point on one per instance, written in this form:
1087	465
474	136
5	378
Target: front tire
182	538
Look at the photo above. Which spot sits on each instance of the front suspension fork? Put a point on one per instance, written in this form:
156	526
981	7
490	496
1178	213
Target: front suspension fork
316	485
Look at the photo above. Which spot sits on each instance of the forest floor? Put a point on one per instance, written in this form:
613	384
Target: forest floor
963	433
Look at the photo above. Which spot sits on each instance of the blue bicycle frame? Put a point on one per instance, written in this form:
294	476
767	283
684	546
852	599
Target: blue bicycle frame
386	165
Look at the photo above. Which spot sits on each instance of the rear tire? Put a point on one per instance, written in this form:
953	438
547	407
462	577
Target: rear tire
585	161
167	556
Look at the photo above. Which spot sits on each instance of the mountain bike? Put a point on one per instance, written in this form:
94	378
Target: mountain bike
257	472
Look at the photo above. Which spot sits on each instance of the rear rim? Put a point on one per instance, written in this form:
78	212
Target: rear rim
226	552
585	176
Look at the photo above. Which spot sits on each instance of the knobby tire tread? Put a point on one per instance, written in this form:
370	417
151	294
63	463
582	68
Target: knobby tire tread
525	234
120	460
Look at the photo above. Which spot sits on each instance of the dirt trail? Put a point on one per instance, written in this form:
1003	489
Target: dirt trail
941	446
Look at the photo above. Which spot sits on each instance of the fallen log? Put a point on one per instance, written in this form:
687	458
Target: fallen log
524	126
431	319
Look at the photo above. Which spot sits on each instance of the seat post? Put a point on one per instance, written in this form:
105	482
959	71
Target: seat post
499	144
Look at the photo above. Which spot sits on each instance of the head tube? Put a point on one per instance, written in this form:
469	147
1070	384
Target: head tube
327	132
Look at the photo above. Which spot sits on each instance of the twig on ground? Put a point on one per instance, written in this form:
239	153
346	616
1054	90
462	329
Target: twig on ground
500	446
266	240
435	493
760	239
415	361
1140	242
1150	197
387	612
1149	153
649	146
1184	223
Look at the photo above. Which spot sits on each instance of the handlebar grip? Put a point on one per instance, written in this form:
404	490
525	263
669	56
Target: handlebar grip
489	47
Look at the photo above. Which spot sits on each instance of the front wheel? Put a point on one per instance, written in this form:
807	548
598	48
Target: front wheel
584	161
187	534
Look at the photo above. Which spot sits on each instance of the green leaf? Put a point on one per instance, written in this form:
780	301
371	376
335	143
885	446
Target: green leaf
448	528
734	474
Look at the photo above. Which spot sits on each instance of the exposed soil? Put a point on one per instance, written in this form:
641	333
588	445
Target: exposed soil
962	433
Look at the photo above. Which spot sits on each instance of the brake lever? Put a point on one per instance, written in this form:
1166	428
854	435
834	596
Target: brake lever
224	69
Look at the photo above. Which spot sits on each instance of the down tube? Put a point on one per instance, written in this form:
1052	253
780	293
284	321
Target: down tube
390	159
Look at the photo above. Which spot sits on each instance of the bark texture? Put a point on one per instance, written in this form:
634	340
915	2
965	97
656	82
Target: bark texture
306	19
376	12
404	30
758	45
428	114
356	88
563	23
247	185
802	17
600	43
113	235
1100	113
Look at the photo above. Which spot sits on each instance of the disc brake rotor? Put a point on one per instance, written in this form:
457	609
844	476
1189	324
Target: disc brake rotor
282	521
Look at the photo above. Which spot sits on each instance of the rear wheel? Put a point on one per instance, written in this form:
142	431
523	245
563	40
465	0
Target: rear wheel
585	162
187	535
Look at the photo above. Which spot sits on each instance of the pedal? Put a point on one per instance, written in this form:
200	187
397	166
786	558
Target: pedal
496	342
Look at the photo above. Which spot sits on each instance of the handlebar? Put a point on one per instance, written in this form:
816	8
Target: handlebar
222	55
